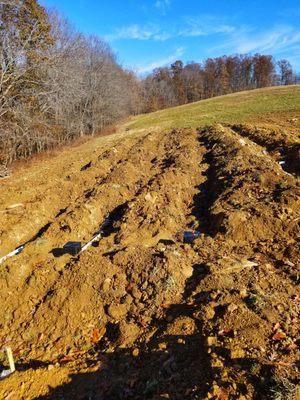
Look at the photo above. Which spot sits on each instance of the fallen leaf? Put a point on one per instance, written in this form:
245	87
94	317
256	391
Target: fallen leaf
279	336
223	395
98	334
129	287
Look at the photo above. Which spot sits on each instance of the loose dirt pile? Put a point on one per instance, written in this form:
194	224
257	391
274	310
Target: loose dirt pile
147	312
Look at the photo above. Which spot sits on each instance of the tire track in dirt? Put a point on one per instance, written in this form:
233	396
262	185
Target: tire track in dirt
274	192
80	199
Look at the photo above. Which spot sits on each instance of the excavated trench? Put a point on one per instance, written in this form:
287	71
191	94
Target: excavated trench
144	313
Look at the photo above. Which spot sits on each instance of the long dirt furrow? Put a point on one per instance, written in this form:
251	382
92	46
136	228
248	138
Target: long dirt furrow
151	311
143	276
246	303
283	146
254	189
47	271
21	219
169	277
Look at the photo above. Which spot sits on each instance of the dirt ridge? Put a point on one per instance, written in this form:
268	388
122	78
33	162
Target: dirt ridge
144	312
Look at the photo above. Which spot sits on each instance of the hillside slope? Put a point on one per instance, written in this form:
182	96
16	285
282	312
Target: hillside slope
190	289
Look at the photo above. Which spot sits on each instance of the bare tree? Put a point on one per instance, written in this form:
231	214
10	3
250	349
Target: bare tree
178	84
55	83
285	72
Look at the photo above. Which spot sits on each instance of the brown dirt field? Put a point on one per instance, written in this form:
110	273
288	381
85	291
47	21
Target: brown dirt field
143	313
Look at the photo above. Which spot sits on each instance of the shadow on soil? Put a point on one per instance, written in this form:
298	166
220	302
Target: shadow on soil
180	373
167	366
208	192
179	370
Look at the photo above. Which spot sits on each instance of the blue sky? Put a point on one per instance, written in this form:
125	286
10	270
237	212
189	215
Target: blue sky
146	34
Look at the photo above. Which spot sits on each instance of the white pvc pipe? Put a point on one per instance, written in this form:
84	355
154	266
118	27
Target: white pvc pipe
11	254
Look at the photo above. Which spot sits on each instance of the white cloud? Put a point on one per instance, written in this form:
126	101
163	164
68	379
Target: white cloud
137	32
204	25
161	62
190	27
276	40
279	39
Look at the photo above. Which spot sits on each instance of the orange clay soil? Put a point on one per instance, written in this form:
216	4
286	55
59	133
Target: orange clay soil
141	314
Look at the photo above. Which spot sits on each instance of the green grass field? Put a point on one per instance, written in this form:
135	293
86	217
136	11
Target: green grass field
237	107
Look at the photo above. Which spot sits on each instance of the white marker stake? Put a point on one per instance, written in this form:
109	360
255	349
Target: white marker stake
95	238
13	253
10	360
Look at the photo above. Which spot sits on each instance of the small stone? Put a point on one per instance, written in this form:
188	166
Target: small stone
50	367
215	390
162	346
217	363
289	263
209	312
151	197
224	374
187	271
280	308
117	311
144	285
232	307
181	341
135	352
211	341
106	285
161	247
237	353
214	295
248	263
243	293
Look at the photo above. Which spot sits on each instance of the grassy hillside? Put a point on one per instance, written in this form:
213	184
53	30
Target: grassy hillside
237	107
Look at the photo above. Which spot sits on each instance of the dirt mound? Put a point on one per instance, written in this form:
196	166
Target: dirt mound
191	287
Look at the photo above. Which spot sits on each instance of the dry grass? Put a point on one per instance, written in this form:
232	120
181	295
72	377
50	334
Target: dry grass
236	107
232	108
286	390
20	165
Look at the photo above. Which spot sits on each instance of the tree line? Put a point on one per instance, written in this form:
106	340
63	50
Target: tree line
57	84
180	84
